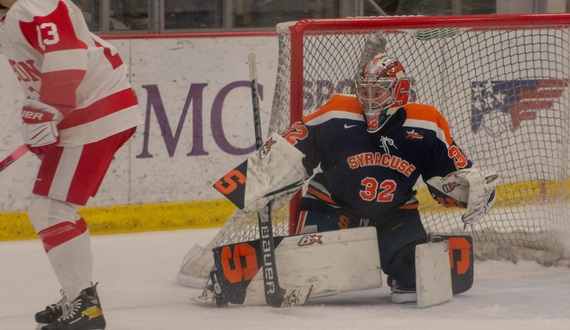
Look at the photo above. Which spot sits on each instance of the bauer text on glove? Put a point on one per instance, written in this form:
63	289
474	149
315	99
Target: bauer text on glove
40	126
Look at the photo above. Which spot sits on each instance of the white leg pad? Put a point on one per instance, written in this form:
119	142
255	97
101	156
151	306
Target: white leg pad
346	260
433	278
329	262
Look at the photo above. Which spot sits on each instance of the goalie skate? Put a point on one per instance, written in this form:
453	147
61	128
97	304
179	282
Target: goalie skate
209	297
400	294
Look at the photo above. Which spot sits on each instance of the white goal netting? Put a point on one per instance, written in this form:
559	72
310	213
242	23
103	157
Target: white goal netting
501	82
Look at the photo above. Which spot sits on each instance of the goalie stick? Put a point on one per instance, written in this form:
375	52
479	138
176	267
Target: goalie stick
255	101
374	45
13	157
275	295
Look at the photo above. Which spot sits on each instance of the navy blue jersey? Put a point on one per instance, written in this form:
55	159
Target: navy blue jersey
369	174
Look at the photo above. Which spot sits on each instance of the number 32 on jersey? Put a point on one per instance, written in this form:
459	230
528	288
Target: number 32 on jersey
375	191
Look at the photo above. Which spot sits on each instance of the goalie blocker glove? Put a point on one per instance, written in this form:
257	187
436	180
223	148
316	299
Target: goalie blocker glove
274	173
40	126
468	188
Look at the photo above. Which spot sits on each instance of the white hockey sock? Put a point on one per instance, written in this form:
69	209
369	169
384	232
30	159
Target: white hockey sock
66	241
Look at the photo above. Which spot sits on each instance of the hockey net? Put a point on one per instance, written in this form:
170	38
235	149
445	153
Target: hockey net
501	81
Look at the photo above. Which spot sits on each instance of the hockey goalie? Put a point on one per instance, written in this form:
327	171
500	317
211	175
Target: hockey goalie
359	157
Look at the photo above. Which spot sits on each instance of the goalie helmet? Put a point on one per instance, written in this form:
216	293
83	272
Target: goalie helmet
381	88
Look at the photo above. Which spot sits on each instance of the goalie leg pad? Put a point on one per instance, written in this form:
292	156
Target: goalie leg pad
332	262
460	263
433	278
461	268
398	233
460	260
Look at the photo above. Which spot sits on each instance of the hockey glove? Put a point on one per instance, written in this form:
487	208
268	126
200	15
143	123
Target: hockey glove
40	126
482	195
467	188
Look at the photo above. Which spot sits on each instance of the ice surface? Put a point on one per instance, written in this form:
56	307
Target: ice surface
138	290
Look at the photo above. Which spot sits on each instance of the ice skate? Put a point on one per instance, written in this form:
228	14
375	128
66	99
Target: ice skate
84	313
52	312
402	294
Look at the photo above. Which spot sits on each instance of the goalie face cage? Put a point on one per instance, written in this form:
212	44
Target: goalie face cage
501	81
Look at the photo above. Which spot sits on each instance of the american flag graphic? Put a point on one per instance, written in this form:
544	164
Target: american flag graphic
521	99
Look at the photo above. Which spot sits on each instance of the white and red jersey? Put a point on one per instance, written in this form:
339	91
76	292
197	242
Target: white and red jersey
59	62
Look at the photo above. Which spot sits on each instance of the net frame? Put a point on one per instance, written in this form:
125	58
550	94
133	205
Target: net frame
543	197
421	27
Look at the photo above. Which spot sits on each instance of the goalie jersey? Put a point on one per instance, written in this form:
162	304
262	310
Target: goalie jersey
349	169
367	174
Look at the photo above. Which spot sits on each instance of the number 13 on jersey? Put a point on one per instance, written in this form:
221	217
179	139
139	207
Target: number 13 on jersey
47	35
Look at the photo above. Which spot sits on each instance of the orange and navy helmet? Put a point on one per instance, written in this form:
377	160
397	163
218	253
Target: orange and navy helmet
381	88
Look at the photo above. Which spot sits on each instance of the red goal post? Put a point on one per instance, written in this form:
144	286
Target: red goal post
501	81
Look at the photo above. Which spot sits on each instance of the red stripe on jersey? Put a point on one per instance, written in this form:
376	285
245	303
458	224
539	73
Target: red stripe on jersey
62	232
429	113
115	60
339	102
47	170
58	89
104	107
53	32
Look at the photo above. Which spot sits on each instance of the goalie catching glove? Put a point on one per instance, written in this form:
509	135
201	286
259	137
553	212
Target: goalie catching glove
40	126
467	188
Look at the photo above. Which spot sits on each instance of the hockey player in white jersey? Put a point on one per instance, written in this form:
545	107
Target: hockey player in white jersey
79	110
